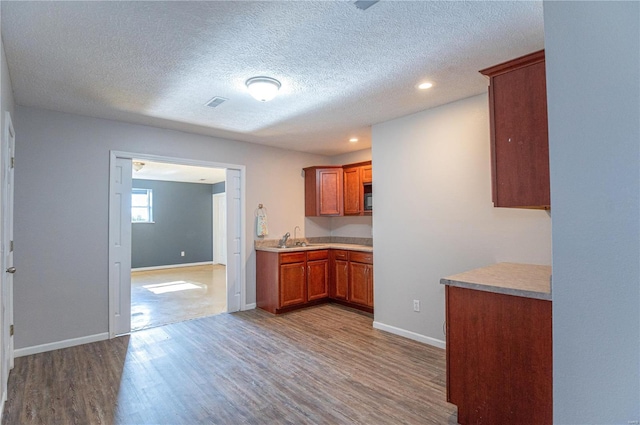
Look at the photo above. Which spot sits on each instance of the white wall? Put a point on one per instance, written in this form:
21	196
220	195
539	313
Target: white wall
434	217
62	211
593	86
6	95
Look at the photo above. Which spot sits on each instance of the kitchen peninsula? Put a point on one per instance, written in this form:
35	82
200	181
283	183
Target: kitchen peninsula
499	346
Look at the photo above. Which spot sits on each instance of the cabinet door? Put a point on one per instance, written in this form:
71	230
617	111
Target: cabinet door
358	283
352	191
520	137
292	284
367	175
370	284
341	290
318	279
330	191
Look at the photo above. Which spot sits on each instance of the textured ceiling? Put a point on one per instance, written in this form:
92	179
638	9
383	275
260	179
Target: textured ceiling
178	172
342	69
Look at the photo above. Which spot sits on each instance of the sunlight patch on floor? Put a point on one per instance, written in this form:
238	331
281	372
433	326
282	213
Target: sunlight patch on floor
163	288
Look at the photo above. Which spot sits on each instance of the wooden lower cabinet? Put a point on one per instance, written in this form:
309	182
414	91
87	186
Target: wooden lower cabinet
340	274
290	280
292	284
358	283
352	282
499	357
317	279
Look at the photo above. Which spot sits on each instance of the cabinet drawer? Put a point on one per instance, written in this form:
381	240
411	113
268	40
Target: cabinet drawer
340	255
361	257
292	257
322	254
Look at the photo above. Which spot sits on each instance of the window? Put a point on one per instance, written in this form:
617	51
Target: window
141	206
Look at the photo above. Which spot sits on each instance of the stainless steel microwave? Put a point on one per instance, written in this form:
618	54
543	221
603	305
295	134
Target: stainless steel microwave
368	201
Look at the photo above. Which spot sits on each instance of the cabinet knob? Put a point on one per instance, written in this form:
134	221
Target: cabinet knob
509	139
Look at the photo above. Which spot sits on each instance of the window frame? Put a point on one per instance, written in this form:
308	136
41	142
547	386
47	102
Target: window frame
148	205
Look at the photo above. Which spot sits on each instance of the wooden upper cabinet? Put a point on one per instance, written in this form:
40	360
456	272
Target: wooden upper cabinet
519	132
367	175
356	177
323	191
352	191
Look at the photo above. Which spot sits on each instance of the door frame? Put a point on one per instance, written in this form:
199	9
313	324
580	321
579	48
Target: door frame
6	280
240	271
217	217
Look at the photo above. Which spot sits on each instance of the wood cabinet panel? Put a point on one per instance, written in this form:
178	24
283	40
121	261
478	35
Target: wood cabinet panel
323	191
341	279
293	284
322	254
353	203
367	174
317	279
358	283
499	357
519	132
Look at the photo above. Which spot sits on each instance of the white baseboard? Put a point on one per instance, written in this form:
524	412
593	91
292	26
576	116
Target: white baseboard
170	266
411	335
20	352
251	306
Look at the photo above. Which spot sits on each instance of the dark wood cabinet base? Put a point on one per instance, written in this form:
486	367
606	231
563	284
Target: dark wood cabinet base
499	362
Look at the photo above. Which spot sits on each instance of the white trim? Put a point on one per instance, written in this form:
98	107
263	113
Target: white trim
170	266
251	306
243	194
411	335
42	348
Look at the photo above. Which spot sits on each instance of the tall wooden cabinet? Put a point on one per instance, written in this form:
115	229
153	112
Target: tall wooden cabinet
323	191
519	132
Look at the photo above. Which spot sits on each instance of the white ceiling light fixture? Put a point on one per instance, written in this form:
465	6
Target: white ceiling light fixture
353	140
425	86
263	88
137	165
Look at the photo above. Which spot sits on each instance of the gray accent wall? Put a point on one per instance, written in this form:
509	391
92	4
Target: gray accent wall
182	221
218	188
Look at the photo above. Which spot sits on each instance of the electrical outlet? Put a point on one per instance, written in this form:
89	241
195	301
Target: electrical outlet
182	253
416	305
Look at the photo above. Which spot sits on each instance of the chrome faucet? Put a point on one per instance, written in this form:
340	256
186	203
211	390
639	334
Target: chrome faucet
283	241
295	235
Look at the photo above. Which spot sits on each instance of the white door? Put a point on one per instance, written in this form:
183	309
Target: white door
220	228
6	305
120	247
234	240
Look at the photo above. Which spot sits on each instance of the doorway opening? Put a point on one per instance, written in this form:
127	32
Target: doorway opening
175	272
163	261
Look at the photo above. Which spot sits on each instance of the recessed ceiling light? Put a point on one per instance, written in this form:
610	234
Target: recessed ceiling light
353	139
425	86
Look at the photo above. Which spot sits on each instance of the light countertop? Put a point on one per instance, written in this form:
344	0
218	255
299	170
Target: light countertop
524	280
316	246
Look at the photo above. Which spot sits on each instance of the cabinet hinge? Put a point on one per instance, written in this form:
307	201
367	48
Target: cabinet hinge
13	162
10	246
11	330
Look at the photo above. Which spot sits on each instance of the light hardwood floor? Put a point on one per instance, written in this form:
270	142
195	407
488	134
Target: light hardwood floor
321	365
159	297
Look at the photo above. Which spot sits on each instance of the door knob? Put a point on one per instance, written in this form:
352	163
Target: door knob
11	270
